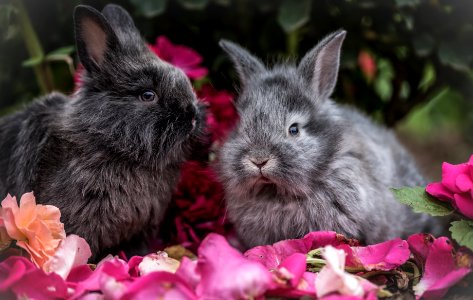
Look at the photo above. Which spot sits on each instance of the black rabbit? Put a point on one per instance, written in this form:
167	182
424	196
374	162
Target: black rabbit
299	162
108	156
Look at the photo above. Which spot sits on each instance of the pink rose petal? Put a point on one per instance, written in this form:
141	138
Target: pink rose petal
464	202
162	285
438	190
464	182
333	278
420	245
441	271
226	274
187	271
272	256
295	265
383	256
73	251
450	173
13	269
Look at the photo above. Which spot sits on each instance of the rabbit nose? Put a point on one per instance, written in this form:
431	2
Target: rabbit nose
259	162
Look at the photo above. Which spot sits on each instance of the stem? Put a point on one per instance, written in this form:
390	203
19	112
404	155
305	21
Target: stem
42	71
292	43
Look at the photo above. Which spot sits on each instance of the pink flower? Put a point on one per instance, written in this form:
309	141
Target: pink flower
271	256
441	270
383	256
109	274
73	251
456	186
162	285
37	228
291	278
226	274
179	56
367	64
158	262
20	277
188	271
333	278
222	115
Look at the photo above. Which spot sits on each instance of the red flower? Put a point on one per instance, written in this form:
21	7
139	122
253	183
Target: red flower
185	58
197	207
222	115
367	64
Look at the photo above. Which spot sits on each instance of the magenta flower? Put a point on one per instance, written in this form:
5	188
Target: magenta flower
179	56
383	256
441	270
456	186
187	271
18	276
227	274
271	256
162	285
291	279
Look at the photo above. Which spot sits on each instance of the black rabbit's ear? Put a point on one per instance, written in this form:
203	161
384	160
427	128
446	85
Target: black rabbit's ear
320	66
121	21
246	64
94	37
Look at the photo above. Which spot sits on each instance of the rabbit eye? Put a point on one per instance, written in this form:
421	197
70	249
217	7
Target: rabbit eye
148	96
294	129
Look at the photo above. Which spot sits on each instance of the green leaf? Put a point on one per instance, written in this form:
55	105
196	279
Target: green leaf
34	61
294	14
149	8
194	4
421	202
455	55
62	51
462	232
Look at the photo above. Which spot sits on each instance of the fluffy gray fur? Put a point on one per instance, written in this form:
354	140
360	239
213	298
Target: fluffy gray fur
335	174
108	159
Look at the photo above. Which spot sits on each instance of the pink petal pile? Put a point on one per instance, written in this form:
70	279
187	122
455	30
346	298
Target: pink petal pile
222	272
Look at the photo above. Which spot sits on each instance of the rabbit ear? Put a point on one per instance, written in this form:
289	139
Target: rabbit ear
94	37
320	66
246	64
121	22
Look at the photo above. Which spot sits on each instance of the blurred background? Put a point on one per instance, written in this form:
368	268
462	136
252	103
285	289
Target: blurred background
407	63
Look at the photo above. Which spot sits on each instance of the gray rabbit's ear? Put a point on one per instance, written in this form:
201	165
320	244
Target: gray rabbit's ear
121	21
320	66
94	37
246	64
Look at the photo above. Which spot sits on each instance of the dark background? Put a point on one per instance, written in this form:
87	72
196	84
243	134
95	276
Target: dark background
422	52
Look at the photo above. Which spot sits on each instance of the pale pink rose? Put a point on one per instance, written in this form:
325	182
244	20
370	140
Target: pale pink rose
37	228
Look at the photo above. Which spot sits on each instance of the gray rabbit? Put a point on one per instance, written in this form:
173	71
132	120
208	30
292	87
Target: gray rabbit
298	162
108	156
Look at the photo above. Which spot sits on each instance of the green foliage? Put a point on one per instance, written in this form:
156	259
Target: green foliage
294	14
421	202
149	8
462	232
420	48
